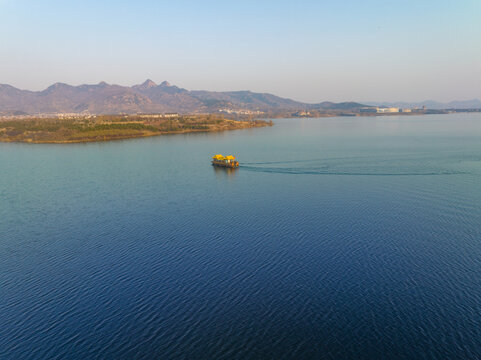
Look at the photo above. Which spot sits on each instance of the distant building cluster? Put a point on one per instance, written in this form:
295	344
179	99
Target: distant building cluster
62	116
302	113
241	111
82	115
384	110
159	116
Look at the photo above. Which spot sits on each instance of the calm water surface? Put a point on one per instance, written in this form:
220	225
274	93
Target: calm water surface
337	238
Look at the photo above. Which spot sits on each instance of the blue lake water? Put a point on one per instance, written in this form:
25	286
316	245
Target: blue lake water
337	238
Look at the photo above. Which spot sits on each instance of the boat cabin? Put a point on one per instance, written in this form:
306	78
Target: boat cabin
225	161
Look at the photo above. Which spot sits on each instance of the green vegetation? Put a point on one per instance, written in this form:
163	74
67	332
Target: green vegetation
110	127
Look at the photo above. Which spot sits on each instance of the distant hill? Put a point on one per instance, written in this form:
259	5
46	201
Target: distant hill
431	104
147	97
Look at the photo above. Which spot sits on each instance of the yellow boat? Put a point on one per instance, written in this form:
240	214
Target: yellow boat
225	161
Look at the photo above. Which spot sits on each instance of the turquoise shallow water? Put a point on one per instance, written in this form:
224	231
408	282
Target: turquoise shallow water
337	238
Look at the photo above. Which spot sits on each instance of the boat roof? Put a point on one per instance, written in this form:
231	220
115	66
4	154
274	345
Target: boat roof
221	157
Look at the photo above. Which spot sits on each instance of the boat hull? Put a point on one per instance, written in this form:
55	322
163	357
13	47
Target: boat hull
226	165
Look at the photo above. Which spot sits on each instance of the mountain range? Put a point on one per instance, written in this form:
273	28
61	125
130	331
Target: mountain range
148	97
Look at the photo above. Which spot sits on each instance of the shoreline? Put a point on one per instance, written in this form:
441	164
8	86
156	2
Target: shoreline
314	114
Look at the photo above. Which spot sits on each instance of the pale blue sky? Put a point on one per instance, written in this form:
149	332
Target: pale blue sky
306	50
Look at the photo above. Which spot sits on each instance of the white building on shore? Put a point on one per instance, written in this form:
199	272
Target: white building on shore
388	110
382	110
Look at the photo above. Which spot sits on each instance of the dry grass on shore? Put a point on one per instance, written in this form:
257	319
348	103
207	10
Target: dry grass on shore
105	128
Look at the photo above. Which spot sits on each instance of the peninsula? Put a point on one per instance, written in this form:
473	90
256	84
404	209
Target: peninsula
114	127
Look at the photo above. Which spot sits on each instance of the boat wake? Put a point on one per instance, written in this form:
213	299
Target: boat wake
327	170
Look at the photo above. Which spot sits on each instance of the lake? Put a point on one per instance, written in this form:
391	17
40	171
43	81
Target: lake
337	238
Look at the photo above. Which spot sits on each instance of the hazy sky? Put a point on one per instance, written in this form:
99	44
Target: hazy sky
306	50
